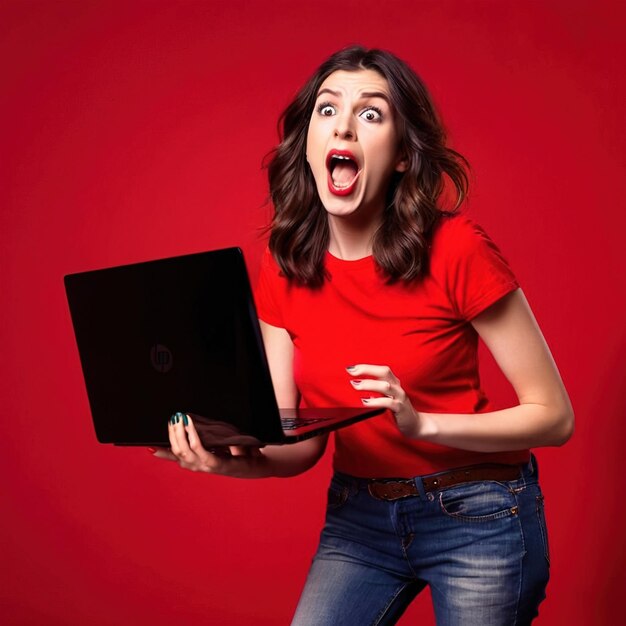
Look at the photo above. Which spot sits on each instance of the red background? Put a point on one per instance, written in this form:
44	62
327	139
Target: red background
135	130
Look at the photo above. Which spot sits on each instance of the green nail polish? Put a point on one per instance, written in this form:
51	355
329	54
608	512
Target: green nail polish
172	420
185	420
176	419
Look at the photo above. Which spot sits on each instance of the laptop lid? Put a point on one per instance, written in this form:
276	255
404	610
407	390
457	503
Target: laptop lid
180	334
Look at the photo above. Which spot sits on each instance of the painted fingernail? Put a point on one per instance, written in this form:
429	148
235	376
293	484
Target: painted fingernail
356	383
185	420
172	420
365	400
351	368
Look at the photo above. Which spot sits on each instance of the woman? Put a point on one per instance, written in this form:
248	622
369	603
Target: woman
370	292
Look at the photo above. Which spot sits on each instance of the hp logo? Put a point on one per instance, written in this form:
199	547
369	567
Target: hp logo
161	358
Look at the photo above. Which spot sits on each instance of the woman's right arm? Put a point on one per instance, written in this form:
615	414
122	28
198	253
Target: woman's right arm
279	461
294	458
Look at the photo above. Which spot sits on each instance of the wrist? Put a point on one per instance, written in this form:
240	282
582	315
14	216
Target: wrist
426	426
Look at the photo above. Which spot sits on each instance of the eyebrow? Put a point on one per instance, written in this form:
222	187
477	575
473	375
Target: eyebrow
364	95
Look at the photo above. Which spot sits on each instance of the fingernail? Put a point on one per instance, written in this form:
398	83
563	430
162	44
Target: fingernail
356	383
151	450
365	400
176	418
172	422
185	420
351	368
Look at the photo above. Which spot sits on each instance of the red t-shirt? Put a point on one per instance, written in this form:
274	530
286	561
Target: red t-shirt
420	330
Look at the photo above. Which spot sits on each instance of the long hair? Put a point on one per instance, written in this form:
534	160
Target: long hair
299	233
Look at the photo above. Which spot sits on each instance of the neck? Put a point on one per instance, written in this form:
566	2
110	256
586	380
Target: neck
351	239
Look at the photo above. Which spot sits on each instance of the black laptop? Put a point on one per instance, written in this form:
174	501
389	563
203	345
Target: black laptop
181	334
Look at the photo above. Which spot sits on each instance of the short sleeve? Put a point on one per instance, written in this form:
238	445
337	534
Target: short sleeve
473	271
268	289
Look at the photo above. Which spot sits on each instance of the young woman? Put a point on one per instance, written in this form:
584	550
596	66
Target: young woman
371	292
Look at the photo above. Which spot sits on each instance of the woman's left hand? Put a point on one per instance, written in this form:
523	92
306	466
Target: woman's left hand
380	379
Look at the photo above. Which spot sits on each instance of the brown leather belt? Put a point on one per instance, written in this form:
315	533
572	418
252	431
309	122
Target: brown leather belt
403	488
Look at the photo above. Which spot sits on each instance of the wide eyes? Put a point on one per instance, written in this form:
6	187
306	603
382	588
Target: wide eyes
369	114
372	114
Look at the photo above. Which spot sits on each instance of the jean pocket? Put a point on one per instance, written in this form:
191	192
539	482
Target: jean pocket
337	494
478	502
541	515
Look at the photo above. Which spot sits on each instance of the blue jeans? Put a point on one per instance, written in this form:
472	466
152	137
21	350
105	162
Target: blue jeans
482	548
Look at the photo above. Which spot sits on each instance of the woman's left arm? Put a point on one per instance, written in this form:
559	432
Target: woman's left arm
544	416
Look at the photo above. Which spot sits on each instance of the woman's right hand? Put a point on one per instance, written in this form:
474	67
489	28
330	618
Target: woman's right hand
239	461
250	461
188	451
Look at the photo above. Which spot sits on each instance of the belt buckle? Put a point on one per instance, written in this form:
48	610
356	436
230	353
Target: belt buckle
392	490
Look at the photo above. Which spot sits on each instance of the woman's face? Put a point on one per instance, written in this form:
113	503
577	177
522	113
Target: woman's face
352	143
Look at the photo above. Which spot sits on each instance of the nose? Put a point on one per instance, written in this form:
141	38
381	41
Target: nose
344	128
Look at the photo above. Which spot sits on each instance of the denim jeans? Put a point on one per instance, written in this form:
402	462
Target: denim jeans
482	548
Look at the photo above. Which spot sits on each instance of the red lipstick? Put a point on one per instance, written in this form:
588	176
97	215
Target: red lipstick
343	172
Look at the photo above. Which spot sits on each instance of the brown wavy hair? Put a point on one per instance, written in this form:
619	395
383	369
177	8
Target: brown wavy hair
299	233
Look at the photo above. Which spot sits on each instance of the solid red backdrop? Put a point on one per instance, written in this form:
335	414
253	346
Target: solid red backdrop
135	130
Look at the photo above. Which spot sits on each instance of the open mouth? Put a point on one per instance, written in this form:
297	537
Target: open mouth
343	172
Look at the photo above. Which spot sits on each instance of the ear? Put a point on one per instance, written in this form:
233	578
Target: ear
402	164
